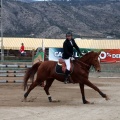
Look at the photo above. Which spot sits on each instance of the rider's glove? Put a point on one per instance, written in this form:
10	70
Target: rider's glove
80	54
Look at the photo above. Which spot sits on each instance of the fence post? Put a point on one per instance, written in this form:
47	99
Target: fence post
33	52
2	53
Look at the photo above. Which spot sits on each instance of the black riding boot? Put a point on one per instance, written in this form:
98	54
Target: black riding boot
67	74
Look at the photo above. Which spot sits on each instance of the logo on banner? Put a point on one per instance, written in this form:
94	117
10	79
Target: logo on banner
59	54
105	55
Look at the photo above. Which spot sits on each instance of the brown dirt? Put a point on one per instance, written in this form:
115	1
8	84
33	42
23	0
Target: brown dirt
70	106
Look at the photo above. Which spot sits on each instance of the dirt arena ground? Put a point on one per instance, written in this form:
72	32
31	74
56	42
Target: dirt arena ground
70	106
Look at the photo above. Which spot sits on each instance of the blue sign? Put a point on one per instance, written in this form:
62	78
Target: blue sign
56	53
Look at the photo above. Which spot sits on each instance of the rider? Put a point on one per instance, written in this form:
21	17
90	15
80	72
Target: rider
68	45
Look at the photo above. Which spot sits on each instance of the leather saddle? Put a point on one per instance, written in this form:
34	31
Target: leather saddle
61	67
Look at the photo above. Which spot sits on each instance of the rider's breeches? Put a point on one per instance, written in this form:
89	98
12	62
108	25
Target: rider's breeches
67	61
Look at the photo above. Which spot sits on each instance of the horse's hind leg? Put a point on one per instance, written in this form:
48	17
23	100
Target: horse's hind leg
83	94
32	86
88	83
47	86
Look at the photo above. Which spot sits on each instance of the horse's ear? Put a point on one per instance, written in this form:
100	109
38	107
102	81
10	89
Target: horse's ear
99	52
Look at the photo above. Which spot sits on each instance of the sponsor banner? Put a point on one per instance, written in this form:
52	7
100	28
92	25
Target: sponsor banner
56	53
38	57
107	55
110	55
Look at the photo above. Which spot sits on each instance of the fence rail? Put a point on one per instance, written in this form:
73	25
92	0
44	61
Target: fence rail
9	74
15	66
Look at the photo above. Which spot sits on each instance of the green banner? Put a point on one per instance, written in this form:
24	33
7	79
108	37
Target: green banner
38	57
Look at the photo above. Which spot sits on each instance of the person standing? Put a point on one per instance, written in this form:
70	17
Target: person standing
68	46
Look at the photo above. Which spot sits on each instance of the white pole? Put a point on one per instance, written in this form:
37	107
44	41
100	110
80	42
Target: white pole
2	54
43	49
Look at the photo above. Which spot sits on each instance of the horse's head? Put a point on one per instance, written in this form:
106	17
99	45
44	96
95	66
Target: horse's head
92	59
96	62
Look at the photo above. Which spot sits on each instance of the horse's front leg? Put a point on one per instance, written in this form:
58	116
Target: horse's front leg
83	94
88	83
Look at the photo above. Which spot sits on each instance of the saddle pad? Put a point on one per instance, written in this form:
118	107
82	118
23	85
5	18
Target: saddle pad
58	69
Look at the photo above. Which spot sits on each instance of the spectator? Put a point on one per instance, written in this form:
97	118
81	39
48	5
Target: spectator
22	50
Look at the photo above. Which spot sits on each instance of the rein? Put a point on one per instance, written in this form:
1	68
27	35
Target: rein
83	63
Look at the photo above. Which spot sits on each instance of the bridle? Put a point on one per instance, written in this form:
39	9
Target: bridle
87	64
83	63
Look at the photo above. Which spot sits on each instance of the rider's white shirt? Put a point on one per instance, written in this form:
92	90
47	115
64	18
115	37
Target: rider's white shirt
71	42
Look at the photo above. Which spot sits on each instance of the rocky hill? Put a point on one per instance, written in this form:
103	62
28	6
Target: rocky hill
53	19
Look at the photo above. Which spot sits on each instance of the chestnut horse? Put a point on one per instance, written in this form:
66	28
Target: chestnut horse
46	71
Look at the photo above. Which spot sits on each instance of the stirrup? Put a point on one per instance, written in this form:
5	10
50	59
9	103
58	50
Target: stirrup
66	80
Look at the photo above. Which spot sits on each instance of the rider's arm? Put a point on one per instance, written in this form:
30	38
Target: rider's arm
76	47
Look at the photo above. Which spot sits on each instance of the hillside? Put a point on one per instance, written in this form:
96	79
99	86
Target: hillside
54	19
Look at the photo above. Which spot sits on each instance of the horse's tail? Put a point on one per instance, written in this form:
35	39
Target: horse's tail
30	73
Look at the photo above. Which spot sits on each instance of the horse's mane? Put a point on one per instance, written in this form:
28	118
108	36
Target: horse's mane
87	55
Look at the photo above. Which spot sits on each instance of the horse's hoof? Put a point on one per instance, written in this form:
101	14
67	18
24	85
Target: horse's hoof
107	98
87	102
